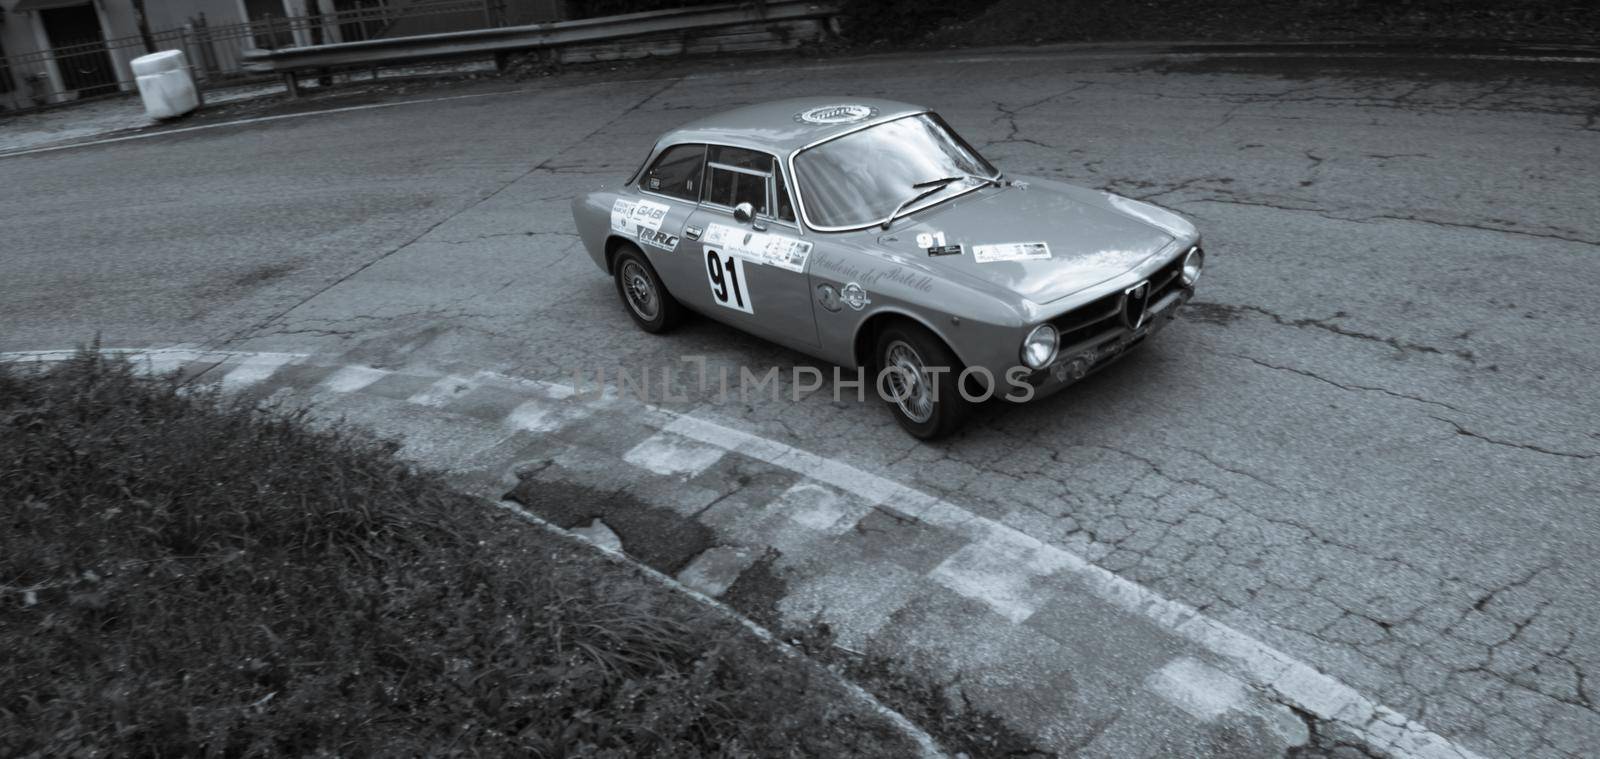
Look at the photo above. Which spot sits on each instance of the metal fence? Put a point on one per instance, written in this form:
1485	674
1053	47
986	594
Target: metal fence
98	68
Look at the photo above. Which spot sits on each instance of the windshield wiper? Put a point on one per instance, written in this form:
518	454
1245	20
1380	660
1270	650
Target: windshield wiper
946	181
910	200
933	186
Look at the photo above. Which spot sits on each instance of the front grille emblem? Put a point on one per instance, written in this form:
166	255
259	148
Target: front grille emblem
1136	304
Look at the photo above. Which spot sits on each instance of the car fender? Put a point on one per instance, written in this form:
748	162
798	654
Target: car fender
591	214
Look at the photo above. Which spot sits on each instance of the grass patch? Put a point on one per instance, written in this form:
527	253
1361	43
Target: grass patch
186	575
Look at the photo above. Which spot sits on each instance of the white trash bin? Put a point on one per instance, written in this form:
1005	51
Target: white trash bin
165	85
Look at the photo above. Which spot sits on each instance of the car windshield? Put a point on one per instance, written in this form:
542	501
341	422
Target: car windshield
861	178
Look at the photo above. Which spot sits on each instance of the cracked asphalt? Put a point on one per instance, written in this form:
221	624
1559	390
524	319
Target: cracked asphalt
1370	441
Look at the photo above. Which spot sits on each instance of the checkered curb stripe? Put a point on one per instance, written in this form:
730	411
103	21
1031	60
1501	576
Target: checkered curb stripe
487	424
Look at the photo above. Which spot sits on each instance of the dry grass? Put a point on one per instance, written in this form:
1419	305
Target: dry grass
181	575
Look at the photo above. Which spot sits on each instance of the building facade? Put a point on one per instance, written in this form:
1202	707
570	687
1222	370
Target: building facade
56	51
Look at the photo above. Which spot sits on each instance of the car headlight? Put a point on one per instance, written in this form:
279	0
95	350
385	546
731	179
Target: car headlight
1039	348
1193	263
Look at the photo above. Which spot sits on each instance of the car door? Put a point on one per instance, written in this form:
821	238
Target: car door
753	272
653	212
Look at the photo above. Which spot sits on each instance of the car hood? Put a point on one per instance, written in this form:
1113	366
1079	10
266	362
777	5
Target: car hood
1092	237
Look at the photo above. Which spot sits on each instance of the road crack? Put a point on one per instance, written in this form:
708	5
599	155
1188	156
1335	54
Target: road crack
1464	432
1343	386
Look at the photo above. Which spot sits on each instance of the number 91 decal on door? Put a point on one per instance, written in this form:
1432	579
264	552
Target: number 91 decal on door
726	275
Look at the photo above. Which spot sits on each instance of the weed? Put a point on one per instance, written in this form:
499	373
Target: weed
183	574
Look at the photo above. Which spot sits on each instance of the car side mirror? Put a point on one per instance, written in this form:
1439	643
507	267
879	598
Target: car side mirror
744	212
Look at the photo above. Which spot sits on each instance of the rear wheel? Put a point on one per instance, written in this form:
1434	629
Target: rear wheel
647	301
926	403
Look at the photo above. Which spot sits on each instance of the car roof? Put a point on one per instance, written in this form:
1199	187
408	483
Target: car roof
784	126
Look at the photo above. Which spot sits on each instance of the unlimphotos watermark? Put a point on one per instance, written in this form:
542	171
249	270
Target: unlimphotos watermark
898	383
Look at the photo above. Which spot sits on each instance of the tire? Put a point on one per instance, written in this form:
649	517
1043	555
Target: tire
936	408
643	296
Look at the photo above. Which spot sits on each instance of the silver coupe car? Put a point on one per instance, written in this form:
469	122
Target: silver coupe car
867	233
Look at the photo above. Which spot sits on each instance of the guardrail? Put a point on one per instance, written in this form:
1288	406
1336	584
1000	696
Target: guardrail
553	36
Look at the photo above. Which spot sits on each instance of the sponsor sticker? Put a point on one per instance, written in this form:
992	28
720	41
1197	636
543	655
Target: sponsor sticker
759	247
658	239
935	244
1010	251
620	211
854	296
843	113
631	217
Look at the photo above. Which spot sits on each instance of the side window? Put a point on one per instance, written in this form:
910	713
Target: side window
677	172
736	175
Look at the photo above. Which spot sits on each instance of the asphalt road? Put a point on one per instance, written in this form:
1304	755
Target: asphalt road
1372	441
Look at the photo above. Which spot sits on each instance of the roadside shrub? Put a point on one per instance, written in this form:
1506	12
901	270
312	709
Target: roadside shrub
591	8
1009	22
181	575
897	21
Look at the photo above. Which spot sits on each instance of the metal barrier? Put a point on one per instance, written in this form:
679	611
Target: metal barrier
291	61
97	68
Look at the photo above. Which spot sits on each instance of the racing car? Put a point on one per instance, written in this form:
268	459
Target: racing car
869	234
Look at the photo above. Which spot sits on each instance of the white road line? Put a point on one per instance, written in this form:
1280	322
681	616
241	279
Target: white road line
1203	691
1001	571
254	369
1284	677
351	378
820	509
533	416
440	392
666	453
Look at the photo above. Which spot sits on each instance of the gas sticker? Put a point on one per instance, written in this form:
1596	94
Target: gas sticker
759	247
1011	251
726	275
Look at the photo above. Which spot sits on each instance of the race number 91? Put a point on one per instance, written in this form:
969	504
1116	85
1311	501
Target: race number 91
726	275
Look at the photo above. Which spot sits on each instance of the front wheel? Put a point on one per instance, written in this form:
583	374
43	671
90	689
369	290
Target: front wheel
917	373
648	302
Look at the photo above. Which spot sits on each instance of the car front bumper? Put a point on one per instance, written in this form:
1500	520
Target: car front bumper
1074	362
